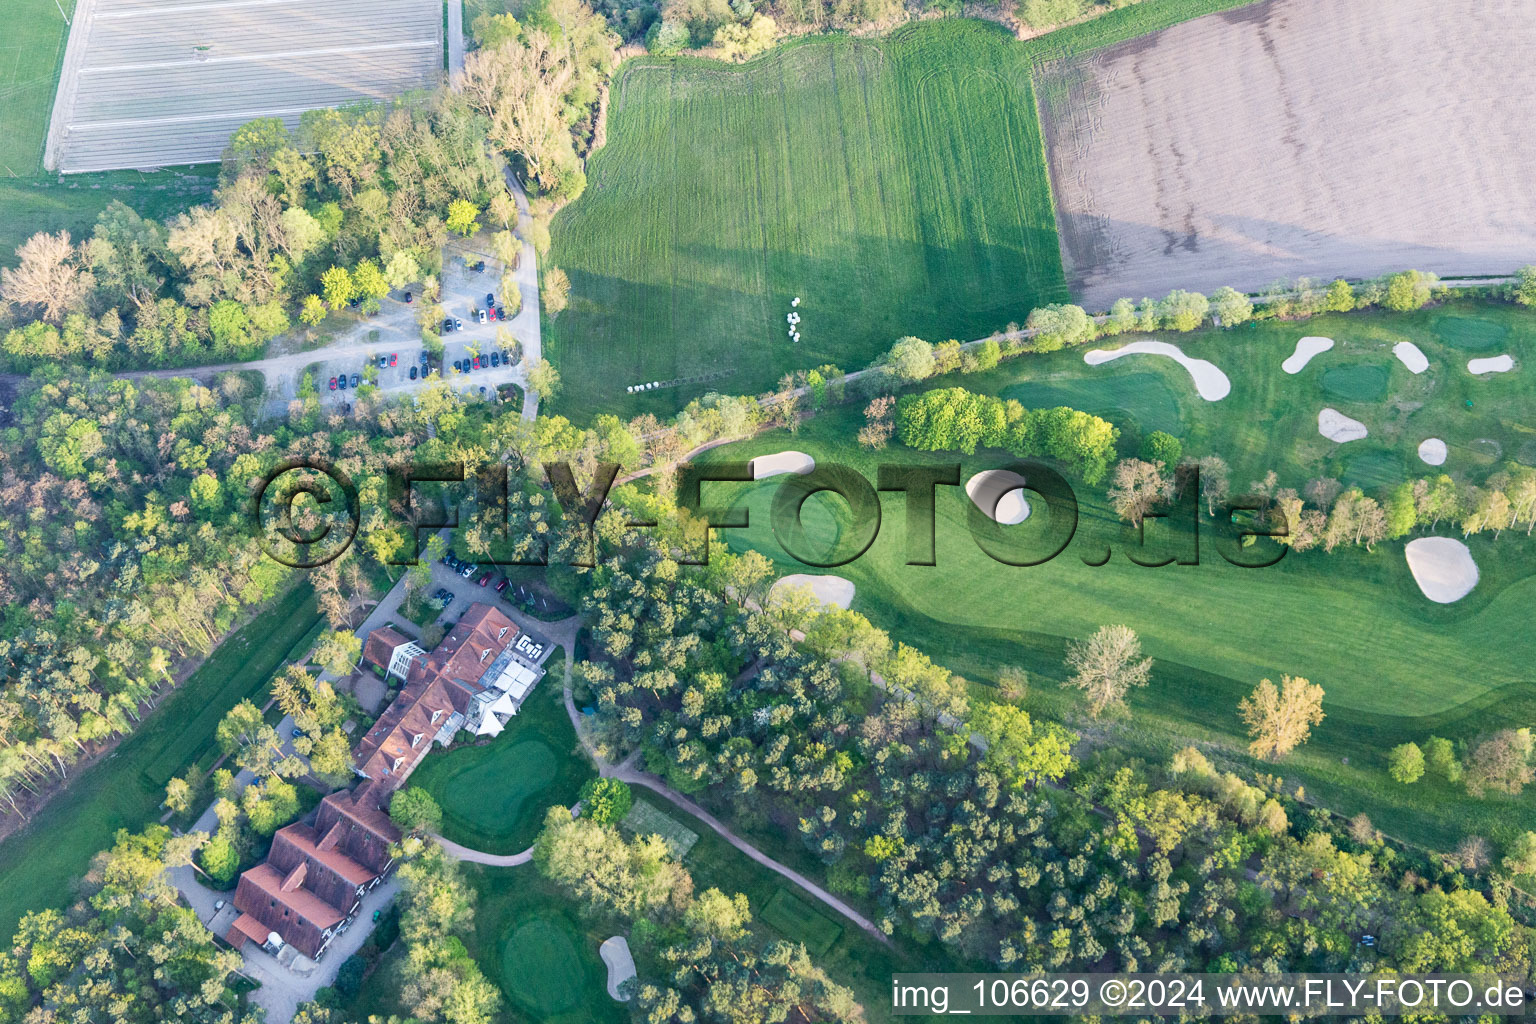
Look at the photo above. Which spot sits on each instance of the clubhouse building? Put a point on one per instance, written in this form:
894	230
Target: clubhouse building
316	874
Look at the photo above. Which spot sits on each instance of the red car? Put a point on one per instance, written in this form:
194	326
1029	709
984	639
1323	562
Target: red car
477	362
392	359
485	579
333	383
502	585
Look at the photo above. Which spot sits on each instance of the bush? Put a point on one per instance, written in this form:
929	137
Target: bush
349	977
1407	290
1163	447
605	801
1440	758
414	810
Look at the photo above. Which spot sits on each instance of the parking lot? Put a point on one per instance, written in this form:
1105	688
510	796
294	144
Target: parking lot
467	590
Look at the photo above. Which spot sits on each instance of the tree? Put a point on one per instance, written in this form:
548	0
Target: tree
312	311
1407	290
911	359
1501	762
463	217
1012	682
47	278
1520	856
1136	488
544	379
554	291
737	41
414	810
605	801
219	859
1161	446
1440	758
338	286
1230	306
338	651
1106	666
1280	719
178	796
1184	311
1406	763
1524	288
1058	326
1020	750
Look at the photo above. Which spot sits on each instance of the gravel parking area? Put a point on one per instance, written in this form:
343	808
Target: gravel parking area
151	83
1296	137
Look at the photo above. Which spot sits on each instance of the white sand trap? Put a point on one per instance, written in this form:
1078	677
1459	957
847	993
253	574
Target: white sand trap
1495	364
621	965
1410	356
1432	451
1442	567
1000	494
1306	348
1335	426
832	590
1210	382
779	463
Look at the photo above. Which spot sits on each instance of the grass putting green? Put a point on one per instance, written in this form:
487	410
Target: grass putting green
796	919
494	795
1394	666
38	866
540	970
896	185
1358	382
1470	334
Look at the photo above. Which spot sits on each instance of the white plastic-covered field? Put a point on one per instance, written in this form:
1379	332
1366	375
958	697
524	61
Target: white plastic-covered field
1295	137
153	83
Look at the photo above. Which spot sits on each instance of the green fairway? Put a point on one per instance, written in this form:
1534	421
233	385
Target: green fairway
1395	666
540	969
896	185
39	865
494	795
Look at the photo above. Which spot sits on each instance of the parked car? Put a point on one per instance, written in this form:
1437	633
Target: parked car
342	380
447	325
413	373
409	298
501	312
495	359
468	571
479	267
482	316
502	584
457	365
485	579
482	390
392	357
333	383
490	298
458	324
383	361
355	380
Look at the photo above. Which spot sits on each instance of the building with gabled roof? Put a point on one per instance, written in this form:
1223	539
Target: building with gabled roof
316	874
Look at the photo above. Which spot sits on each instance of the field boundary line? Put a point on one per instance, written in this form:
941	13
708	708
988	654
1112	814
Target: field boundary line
69	81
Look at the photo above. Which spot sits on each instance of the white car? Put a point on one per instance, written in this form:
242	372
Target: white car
482	316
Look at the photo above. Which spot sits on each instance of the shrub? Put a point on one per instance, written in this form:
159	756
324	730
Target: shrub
605	801
1163	447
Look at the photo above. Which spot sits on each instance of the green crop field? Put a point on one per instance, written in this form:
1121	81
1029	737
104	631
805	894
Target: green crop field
1395	666
30	54
39	865
494	796
896	185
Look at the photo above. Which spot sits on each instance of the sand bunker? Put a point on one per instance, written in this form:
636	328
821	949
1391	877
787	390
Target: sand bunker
832	590
621	965
1410	356
1442	567
779	463
1000	494
1335	426
1496	364
1432	451
1210	382
1306	348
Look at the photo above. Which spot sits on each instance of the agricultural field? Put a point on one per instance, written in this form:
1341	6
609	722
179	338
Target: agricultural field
30	53
895	185
1294	137
146	85
1395	666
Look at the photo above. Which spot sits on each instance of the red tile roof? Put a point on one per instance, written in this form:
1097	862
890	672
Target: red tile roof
380	646
246	929
302	902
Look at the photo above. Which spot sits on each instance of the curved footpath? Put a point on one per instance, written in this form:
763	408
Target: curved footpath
563	633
